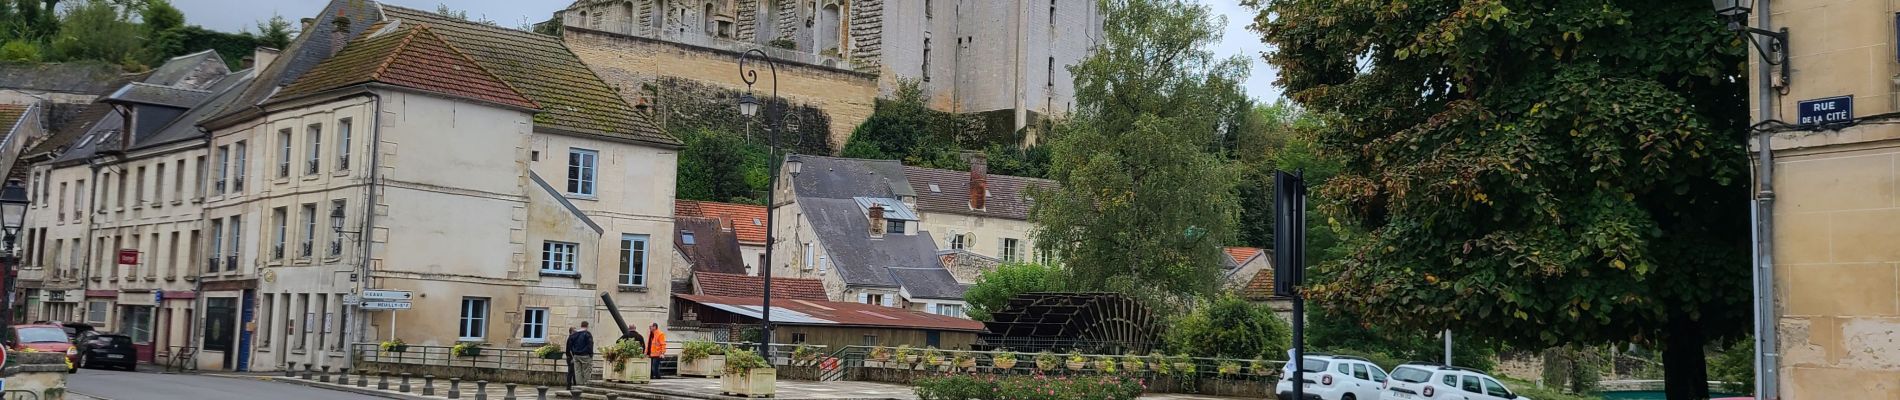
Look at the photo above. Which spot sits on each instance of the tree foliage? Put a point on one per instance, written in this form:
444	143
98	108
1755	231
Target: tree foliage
1145	202
98	30
903	128
275	32
994	288
724	167
1539	173
1230	327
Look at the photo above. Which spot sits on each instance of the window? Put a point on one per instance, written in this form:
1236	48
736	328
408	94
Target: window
927	53
61	200
237	176
1377	375
686	238
138	188
633	260
1359	371
872	298
96	311
1050	78
870	340
121	192
1009	250
336	227
895	226
283	156
1343	368
1052	12
224	170
956	242
534	325
953	310
580	171
810	256
280	217
798	338
237	238
1495	389
1470	384
158	185
201	177
178	181
217	243
558	257
343	144
304	243
1450	380
474	322
315	144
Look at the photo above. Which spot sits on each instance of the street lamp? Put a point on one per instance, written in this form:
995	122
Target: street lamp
13	203
1775	52
749	105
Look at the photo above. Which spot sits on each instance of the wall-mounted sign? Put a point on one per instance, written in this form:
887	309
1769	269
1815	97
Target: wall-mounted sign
385	305
1828	111
128	257
385	295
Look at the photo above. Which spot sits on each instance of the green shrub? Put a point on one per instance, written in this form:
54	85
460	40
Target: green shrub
1027	387
696	350
1230	327
740	361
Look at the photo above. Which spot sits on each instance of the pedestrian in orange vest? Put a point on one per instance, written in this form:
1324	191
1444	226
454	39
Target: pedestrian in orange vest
656	347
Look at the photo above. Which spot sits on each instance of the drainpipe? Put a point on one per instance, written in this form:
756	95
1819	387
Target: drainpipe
1767	353
369	216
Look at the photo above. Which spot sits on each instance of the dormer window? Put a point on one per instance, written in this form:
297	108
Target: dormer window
686	238
896	227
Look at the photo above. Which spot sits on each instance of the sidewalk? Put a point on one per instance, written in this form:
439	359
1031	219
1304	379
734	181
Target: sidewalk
787	389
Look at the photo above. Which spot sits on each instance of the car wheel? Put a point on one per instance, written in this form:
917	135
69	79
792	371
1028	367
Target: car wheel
84	362
1349	396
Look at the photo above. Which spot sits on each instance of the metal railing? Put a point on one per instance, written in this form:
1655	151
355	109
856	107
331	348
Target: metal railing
985	361
490	357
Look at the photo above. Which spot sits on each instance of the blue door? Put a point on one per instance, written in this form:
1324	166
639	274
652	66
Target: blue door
244	335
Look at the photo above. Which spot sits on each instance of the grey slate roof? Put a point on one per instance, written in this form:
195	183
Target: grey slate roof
310	48
713	249
860	259
71	77
185	127
846	178
196	70
169	96
929	283
1009	195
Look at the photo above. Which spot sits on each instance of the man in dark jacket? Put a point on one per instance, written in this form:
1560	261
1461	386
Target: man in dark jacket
580	355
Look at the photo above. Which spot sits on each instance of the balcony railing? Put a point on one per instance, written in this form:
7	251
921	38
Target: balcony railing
303	249
211	264
237	184
491	357
283	170
277	251
336	247
230	262
310	167
343	162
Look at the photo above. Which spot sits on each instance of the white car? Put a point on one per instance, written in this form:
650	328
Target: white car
1418	381
1330	377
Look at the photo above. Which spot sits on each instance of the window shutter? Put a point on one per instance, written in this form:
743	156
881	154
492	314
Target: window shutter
822	261
888	299
864	298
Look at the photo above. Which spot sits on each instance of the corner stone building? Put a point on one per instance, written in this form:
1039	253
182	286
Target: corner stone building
1835	209
1004	60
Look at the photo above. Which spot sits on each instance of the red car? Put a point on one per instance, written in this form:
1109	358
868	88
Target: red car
44	338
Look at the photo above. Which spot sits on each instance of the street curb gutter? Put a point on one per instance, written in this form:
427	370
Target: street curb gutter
365	392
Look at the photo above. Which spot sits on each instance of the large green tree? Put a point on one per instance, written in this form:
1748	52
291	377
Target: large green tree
903	128
1536	172
98	30
724	167
1144	205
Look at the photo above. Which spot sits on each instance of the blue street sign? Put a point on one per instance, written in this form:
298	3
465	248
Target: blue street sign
1829	111
158	297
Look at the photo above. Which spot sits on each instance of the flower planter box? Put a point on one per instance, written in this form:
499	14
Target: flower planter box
634	370
398	348
757	382
554	355
1003	363
710	367
1076	365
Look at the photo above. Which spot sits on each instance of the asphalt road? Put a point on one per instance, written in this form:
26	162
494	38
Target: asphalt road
121	385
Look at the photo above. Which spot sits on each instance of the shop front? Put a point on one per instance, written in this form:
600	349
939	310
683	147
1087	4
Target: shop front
136	317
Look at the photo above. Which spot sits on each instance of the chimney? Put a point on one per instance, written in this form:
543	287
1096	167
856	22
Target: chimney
307	23
979	180
877	220
340	35
247	62
263	56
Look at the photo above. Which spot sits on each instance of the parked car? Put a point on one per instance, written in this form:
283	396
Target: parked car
78	331
46	338
1421	381
1330	377
108	350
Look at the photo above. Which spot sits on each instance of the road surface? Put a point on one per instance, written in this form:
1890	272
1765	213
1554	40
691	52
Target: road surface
121	385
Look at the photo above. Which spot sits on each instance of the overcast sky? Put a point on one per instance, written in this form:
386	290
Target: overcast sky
234	15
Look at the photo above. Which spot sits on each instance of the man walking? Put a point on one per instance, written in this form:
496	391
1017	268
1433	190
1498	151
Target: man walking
580	355
656	347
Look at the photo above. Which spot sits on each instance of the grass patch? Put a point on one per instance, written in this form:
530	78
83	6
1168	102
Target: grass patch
1529	389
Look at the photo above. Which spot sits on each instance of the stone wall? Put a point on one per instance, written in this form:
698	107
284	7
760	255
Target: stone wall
690	86
43	374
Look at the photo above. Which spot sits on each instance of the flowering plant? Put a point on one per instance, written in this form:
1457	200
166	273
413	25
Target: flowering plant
1005	359
467	349
881	353
972	386
1228	368
905	354
696	350
1047	361
1106	364
394	345
740	361
548	351
1260	367
1132	362
932	357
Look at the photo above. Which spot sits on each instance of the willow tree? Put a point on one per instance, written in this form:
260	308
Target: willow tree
1536	172
1146	201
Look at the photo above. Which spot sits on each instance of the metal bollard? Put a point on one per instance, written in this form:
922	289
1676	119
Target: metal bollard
343	376
362	378
405	383
613	396
481	390
455	388
382	383
540	393
510	395
325	376
291	370
307	370
428	385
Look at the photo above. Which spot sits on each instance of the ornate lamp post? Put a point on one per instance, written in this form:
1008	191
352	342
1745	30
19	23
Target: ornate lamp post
749	105
12	215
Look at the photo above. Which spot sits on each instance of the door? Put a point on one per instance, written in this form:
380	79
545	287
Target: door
1470	389
1363	386
247	313
220	318
1496	390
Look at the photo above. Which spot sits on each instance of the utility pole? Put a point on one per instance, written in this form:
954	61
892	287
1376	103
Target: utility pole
1289	259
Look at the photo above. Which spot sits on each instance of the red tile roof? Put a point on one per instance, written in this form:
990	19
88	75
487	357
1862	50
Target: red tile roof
823	313
734	285
1242	254
1260	287
747	221
948	191
414	57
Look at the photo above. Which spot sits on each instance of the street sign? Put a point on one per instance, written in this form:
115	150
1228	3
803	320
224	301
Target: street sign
1829	111
385	295
128	257
385	305
158	297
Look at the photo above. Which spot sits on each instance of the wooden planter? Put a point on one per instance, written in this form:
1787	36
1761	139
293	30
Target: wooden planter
710	367
757	382
632	370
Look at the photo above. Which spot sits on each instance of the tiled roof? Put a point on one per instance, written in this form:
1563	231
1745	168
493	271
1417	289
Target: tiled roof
410	56
1242	254
87	77
1260	287
168	96
710	249
572	97
736	285
748	221
311	47
833	313
947	191
10	115
929	283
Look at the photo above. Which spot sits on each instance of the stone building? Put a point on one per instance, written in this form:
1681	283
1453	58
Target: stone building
1004	60
1836	286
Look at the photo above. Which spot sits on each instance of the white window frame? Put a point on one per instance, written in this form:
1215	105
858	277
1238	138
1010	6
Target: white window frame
283	159
237	179
473	322
281	215
98	311
631	274
314	136
1009	248
308	242
950	310
343	127
583	168
534	325
558	258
